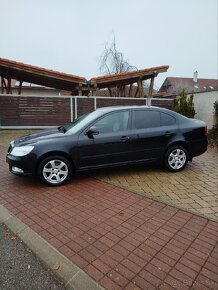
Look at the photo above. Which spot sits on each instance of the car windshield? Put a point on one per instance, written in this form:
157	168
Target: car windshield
81	122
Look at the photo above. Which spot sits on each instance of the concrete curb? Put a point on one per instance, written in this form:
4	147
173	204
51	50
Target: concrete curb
71	275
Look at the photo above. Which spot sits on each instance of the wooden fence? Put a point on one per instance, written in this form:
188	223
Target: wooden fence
19	111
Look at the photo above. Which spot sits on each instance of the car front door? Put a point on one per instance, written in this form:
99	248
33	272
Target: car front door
108	141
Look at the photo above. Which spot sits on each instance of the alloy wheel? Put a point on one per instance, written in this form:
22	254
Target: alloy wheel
177	159
55	171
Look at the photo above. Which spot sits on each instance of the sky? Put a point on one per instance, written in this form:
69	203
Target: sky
70	35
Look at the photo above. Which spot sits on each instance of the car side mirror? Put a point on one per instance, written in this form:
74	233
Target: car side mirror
91	132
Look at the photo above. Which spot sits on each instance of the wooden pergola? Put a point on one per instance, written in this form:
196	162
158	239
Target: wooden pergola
123	82
36	75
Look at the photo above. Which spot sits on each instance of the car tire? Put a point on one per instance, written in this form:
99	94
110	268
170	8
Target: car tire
175	158
54	170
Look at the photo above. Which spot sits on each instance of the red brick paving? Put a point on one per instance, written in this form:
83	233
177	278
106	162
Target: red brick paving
120	239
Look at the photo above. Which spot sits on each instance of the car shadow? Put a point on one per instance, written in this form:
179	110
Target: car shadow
80	177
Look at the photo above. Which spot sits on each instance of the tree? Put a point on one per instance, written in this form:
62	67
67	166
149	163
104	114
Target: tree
213	133
215	105
113	61
184	105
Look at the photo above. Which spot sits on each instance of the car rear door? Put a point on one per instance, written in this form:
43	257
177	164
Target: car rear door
153	133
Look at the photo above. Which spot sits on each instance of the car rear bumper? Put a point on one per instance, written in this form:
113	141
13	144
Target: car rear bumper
21	165
198	147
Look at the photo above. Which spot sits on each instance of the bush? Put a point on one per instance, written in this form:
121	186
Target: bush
184	105
213	133
215	105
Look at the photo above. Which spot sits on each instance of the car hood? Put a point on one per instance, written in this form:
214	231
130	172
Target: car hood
39	136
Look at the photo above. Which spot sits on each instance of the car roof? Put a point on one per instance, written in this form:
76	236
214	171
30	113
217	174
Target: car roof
116	108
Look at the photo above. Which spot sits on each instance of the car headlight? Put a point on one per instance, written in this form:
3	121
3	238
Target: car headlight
21	151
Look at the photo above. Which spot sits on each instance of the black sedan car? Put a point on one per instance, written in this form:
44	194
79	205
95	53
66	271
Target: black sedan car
109	137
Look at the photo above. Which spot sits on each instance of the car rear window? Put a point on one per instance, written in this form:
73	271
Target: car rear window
144	119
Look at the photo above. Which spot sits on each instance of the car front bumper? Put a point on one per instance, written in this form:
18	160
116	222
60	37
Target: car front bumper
24	165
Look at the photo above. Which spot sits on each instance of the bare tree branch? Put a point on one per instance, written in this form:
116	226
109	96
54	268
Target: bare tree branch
113	62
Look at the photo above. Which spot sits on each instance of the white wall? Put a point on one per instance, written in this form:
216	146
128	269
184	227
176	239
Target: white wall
203	103
37	91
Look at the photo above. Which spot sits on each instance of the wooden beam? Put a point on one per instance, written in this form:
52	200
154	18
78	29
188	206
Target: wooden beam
140	87
9	86
80	93
20	88
2	85
143	74
130	90
136	92
122	91
110	92
151	87
150	91
143	93
95	89
118	91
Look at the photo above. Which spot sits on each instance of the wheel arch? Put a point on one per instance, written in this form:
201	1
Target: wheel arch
56	153
179	143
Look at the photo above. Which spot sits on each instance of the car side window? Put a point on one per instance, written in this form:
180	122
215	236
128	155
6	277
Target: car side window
114	122
144	119
167	120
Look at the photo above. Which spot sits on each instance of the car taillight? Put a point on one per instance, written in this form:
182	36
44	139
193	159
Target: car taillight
205	130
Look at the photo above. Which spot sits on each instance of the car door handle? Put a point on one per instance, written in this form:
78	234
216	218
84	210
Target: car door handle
124	139
168	133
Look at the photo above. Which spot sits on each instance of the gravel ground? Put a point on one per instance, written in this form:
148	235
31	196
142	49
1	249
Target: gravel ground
20	269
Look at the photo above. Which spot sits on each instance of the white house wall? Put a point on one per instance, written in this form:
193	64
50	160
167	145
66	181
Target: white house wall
204	107
37	92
